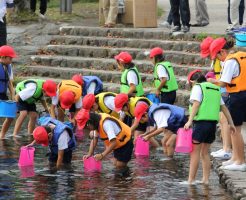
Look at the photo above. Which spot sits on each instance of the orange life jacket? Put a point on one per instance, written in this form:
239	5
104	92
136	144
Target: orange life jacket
122	138
238	83
70	85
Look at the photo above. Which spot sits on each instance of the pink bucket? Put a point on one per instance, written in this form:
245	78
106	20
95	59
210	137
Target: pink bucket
141	147
184	141
27	171
92	165
26	156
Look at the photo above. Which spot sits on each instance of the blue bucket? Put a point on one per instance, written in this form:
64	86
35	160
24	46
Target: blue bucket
153	98
8	109
240	39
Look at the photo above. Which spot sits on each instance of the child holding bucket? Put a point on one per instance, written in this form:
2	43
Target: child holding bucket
204	114
60	139
165	117
28	93
115	134
7	53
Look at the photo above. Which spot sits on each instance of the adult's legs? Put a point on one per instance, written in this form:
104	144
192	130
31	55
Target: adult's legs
234	13
106	5
113	11
185	12
201	12
3	32
33	5
43	6
175	12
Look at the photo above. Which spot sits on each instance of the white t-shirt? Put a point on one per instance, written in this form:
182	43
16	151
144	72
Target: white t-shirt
28	91
162	72
91	88
63	140
196	95
111	129
3	7
55	101
109	102
161	117
132	78
229	71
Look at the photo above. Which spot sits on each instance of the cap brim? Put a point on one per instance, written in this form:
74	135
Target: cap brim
118	109
51	94
45	144
65	106
138	118
204	55
116	57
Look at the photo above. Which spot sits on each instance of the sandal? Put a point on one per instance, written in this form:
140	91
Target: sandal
111	25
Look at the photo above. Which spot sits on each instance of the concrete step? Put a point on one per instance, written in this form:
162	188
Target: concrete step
181	100
105	76
191	46
178	57
144	66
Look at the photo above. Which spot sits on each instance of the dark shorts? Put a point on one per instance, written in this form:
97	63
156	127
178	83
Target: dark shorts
128	120
204	131
237	107
168	97
124	154
3	96
3	32
174	129
22	105
67	157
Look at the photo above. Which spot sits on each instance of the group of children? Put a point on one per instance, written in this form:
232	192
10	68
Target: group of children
118	119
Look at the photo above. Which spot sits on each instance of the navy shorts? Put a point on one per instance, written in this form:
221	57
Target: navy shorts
3	96
22	105
168	97
237	107
67	157
204	131
128	120
124	154
174	129
143	126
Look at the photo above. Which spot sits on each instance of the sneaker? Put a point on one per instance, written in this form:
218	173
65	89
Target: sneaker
236	167
176	29
185	29
215	152
222	155
165	24
41	16
228	162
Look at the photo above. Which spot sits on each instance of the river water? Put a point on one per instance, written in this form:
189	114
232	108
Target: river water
156	177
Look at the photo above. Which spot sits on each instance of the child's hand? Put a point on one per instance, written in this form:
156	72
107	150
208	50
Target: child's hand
157	93
188	125
98	156
146	138
85	157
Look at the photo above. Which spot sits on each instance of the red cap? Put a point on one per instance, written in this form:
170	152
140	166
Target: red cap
156	51
120	100
191	74
49	87
81	118
78	79
88	101
124	57
67	98
204	46
7	51
216	46
140	109
40	135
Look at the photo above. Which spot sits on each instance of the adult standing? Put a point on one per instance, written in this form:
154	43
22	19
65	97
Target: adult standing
202	17
110	11
42	8
4	5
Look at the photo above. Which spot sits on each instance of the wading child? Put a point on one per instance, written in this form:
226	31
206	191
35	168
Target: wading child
7	53
28	93
165	117
115	134
204	115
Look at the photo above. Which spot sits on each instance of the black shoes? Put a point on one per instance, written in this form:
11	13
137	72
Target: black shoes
199	25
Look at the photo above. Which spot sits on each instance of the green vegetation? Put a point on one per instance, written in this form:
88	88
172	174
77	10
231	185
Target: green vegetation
201	36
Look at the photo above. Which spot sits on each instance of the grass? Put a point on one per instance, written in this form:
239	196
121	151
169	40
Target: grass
202	36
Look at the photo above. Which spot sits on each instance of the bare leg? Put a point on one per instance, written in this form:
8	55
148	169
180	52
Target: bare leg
206	165
32	121
238	146
225	132
194	162
171	144
6	124
61	114
19	122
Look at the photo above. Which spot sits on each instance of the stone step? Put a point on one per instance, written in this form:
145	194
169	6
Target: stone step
105	76
191	46
181	100
144	66
178	57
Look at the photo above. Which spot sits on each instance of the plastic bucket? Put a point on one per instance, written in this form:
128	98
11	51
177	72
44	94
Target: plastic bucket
27	171
92	165
26	156
240	39
153	98
184	141
141	147
8	109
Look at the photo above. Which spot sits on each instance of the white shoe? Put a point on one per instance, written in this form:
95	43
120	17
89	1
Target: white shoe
215	152
222	155
228	162
165	24
41	16
236	167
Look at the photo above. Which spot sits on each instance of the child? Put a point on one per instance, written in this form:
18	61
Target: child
131	82
164	78
68	96
204	115
28	93
7	53
60	139
115	134
165	117
127	106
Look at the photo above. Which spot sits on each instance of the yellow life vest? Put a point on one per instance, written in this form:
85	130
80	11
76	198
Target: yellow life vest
122	138
217	68
238	83
133	102
70	85
102	107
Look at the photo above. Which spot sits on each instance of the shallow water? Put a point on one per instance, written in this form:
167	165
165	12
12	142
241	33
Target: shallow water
156	177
